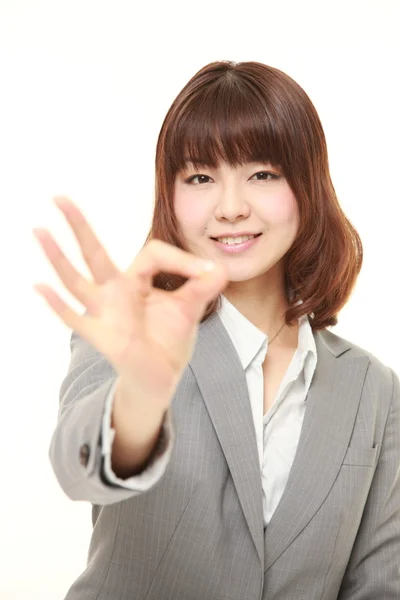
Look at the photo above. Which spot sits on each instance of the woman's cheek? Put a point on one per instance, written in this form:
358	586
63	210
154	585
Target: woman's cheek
192	216
282	211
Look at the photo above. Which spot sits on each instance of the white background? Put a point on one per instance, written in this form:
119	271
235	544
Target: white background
84	87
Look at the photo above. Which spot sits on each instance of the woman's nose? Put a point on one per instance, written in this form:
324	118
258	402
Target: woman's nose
231	204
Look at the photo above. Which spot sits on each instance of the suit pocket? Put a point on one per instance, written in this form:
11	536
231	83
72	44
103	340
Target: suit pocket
363	457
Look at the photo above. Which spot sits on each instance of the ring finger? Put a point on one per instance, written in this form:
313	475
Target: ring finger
75	283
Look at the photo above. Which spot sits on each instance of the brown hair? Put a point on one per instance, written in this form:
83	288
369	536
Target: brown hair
241	112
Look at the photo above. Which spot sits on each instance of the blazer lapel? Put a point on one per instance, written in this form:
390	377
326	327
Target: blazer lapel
331	409
222	382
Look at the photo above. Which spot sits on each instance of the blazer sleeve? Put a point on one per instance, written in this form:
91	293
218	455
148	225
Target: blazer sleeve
76	447
373	570
156	464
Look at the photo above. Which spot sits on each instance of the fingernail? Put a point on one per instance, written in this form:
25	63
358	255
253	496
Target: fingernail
203	266
60	201
39	232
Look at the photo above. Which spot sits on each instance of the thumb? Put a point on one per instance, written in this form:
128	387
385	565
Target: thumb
198	291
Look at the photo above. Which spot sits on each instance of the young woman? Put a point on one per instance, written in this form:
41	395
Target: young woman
232	446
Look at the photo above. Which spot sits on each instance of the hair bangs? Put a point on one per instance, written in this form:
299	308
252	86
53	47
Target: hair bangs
227	122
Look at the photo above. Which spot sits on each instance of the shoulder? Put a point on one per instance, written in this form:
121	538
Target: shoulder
379	376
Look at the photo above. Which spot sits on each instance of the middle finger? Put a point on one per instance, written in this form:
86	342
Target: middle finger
97	259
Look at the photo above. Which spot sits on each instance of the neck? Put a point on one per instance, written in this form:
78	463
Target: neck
266	312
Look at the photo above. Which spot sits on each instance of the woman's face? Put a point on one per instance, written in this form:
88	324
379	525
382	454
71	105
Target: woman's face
252	198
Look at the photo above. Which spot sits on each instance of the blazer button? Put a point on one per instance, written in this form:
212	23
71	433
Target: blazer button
84	454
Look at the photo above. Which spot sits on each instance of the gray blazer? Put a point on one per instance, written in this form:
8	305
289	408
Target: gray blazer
198	533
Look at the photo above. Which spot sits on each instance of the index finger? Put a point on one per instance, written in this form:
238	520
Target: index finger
157	256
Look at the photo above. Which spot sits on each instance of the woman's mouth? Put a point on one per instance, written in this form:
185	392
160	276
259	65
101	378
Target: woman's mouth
230	246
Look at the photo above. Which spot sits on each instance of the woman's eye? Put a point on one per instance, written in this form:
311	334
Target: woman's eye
267	173
200	177
266	176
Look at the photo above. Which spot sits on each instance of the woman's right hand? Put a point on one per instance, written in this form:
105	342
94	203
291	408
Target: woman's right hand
147	334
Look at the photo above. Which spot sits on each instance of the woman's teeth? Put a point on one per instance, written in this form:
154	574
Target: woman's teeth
236	240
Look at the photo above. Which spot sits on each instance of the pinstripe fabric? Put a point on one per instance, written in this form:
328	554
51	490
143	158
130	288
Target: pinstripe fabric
198	533
277	431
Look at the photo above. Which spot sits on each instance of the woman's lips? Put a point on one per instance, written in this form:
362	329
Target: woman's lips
234	248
